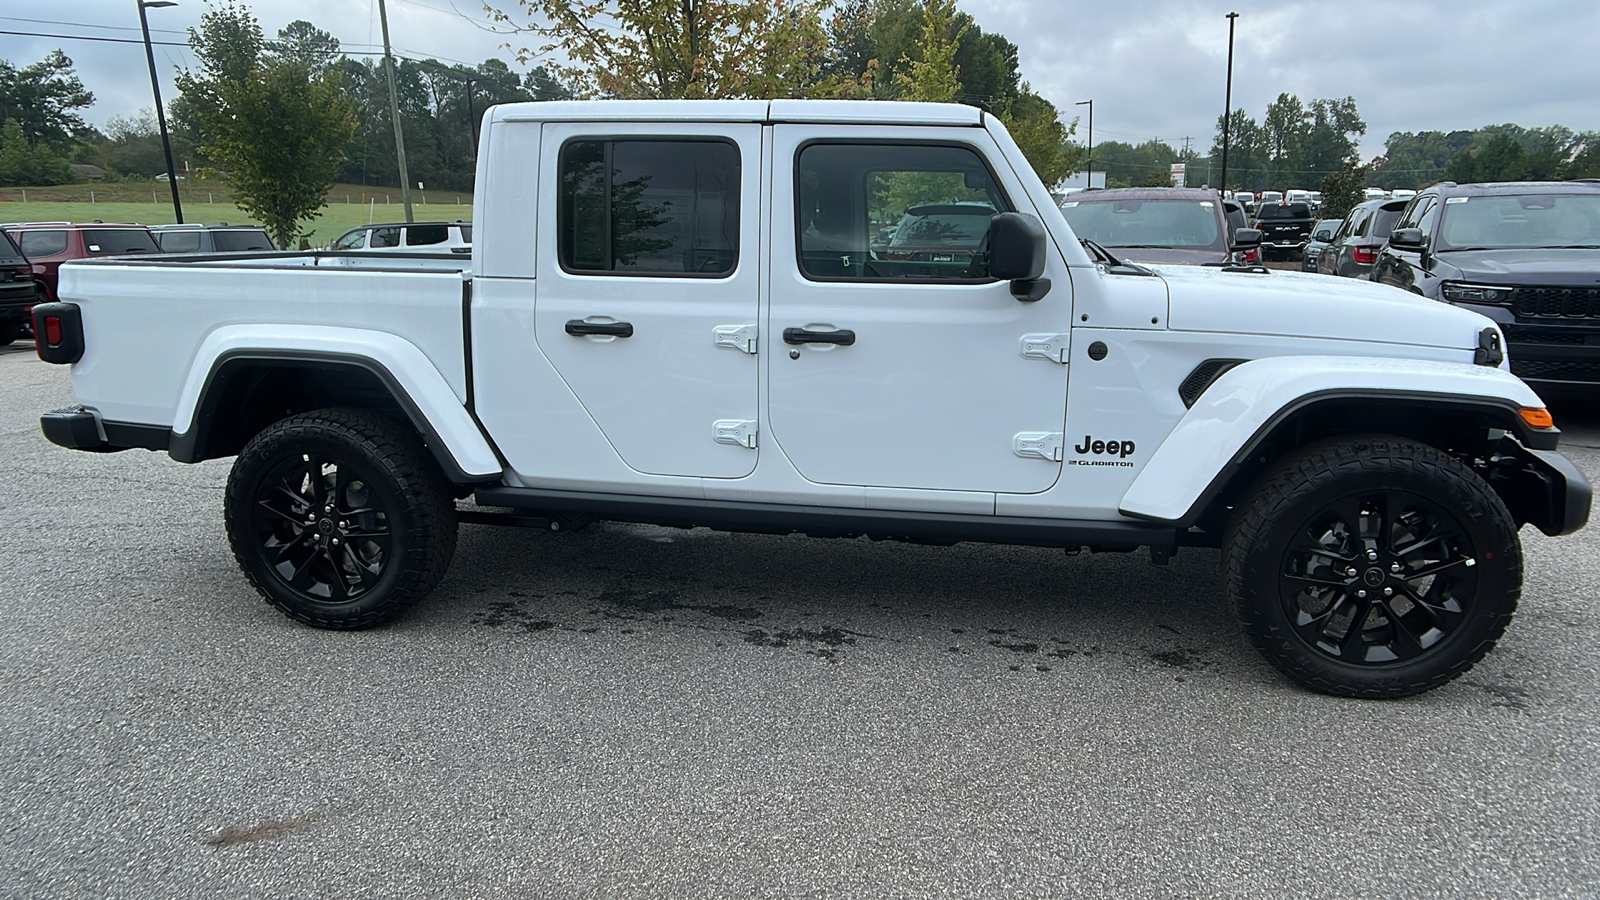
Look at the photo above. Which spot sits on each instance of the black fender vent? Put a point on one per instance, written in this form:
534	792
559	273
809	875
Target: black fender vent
1202	377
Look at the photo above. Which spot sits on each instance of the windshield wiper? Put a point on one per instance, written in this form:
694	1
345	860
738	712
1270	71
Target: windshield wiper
1100	251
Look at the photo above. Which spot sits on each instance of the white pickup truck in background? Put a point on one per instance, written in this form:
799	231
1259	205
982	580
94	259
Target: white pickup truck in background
688	313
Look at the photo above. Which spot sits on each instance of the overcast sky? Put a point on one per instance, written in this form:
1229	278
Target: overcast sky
1155	68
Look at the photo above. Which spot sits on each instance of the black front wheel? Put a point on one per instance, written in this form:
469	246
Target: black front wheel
1373	567
340	518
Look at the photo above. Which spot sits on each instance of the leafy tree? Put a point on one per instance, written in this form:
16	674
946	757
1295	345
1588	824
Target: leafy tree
1342	190
1036	127
541	85
1247	152
23	163
932	76
41	99
675	49
276	126
307	44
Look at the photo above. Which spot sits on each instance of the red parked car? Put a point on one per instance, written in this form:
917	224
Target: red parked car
49	244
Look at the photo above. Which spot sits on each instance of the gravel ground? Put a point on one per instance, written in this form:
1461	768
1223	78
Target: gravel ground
632	711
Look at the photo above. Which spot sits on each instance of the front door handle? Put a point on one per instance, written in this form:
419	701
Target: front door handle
616	329
843	337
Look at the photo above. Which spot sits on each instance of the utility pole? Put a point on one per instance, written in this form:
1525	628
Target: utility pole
1227	105
1186	160
394	112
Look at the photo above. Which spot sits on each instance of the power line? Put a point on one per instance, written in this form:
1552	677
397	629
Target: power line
87	25
414	55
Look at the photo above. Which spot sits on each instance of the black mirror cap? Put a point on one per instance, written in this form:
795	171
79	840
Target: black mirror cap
1016	247
1245	238
1407	239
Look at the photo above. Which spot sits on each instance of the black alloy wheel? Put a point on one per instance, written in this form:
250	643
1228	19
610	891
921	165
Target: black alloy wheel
340	518
323	528
1372	566
1379	577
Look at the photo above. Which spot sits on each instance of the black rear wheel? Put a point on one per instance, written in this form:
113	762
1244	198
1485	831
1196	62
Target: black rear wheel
1373	567
340	518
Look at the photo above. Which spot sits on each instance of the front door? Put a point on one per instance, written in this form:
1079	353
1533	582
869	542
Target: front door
647	306
893	359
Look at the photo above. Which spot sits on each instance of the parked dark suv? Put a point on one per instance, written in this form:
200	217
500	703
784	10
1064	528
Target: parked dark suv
1361	236
18	290
1525	254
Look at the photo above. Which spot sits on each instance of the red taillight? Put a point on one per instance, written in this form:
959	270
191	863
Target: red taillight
1252	255
52	330
1365	255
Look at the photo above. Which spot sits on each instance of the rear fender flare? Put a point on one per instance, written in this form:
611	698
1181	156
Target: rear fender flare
416	384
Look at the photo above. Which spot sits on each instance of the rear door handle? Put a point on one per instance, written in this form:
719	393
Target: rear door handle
842	336
616	329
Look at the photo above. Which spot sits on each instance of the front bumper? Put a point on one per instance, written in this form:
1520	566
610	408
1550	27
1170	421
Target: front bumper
1541	488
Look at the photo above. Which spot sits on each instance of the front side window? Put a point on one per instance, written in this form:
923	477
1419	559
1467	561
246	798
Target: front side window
894	212
36	244
351	241
649	207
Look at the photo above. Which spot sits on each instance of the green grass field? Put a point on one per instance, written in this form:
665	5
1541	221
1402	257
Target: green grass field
348	206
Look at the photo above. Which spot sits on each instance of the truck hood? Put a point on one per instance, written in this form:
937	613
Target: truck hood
1569	268
1303	304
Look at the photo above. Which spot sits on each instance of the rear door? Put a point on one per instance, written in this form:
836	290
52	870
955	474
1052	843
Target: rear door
648	286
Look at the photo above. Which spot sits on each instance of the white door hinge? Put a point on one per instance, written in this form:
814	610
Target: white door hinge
1052	347
737	432
1038	445
736	337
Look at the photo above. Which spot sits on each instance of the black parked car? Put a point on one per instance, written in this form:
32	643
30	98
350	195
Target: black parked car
1362	235
18	290
1525	254
1321	235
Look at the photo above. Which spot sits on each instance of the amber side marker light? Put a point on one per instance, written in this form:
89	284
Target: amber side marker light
1537	416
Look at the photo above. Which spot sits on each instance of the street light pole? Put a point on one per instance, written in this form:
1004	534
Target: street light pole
1227	105
161	115
1088	164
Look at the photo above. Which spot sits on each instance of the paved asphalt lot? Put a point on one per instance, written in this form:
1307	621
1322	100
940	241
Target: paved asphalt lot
633	711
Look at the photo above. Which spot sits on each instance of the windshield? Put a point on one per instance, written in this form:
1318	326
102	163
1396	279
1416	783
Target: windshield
112	241
1178	224
1520	221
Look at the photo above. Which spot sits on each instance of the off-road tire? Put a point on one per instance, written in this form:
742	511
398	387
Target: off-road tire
384	543
1275	585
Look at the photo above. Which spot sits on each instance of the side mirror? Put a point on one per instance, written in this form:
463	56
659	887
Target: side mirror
1324	236
1246	238
1016	254
1408	239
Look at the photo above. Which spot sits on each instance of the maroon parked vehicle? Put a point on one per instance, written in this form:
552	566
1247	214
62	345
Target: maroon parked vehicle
49	244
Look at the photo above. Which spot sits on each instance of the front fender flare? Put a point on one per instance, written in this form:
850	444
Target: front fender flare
1240	410
416	383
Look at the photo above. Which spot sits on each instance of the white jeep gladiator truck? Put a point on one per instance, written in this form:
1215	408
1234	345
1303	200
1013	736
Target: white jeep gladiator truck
841	319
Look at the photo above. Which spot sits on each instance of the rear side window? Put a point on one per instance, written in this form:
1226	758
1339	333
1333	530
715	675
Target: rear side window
118	241
384	237
241	241
466	234
179	241
43	243
649	207
427	235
